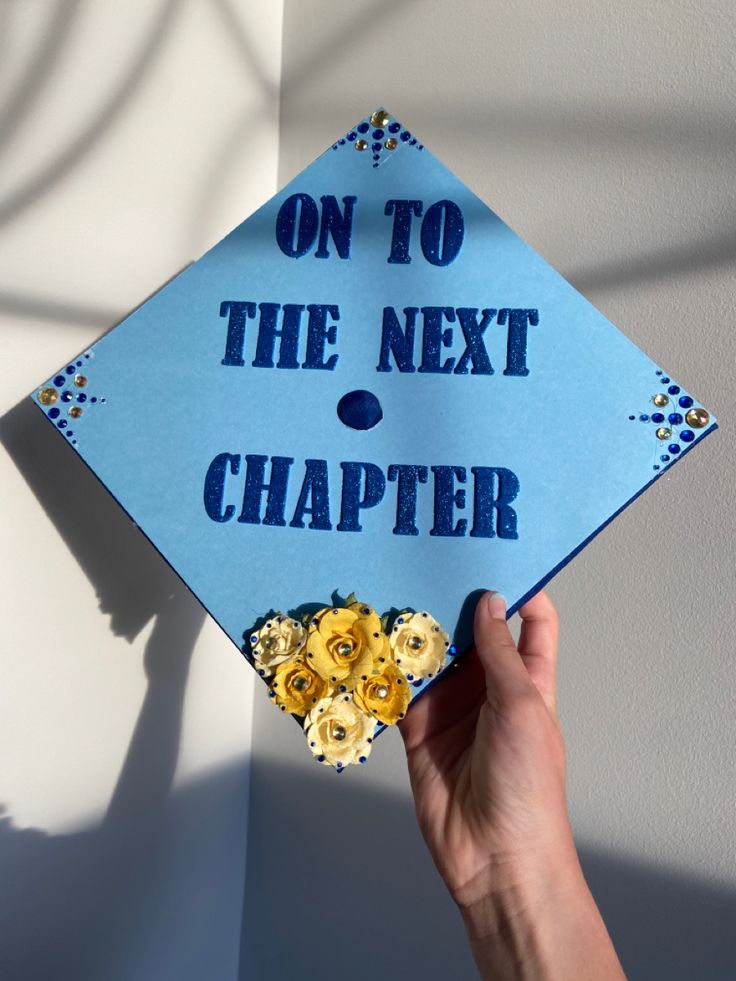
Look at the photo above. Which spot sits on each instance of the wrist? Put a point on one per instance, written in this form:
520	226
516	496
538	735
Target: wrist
540	924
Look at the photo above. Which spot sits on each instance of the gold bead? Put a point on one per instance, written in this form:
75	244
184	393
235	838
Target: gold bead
697	418
660	399
361	145
381	692
301	682
391	143
80	380
47	396
416	643
345	649
75	411
663	432
339	732
380	119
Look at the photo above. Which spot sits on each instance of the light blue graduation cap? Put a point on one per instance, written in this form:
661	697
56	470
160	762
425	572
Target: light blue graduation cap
371	385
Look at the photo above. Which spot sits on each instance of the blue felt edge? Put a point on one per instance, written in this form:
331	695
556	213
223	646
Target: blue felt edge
509	613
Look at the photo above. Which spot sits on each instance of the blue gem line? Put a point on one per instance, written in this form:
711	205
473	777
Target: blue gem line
672	418
63	382
375	139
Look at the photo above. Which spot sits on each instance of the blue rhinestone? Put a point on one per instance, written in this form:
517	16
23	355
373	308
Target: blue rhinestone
664	458
685	401
453	649
675	418
406	135
655	467
375	165
644	417
62	423
93	399
378	134
352	136
674	448
79	364
376	156
674	389
342	688
321	758
417	684
657	417
375	147
362	759
363	128
665	379
412	142
66	396
53	413
70	369
81	397
687	435
658	371
394	127
69	432
365	611
59	380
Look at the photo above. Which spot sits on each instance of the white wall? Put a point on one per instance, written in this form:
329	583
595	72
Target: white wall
131	138
603	132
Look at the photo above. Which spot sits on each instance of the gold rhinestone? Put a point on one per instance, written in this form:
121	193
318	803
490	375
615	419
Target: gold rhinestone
301	683
80	380
697	418
380	119
47	396
391	143
361	145
660	399
663	432
416	643
381	692
344	650
75	411
339	733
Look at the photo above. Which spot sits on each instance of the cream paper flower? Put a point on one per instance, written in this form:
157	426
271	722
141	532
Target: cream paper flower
419	645
279	638
338	733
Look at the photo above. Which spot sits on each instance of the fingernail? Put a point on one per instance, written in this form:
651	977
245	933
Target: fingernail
497	606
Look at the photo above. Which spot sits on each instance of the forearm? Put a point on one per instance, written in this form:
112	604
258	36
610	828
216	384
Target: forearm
542	928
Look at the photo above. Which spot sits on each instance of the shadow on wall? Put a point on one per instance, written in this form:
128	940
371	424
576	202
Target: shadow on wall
339	884
70	905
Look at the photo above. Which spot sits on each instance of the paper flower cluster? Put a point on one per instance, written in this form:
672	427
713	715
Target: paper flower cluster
344	670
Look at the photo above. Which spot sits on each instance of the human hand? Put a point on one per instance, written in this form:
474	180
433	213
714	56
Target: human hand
486	761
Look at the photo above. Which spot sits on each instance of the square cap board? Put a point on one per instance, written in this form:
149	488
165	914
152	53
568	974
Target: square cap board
371	385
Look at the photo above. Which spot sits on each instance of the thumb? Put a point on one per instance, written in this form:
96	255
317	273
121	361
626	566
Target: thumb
504	669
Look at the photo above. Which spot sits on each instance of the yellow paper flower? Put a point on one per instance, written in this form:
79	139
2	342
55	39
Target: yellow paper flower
279	639
384	695
338	733
343	645
419	645
296	688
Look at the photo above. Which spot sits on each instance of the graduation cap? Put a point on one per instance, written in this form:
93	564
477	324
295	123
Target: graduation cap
368	400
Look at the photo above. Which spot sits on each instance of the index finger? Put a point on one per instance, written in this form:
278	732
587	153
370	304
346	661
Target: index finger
538	643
